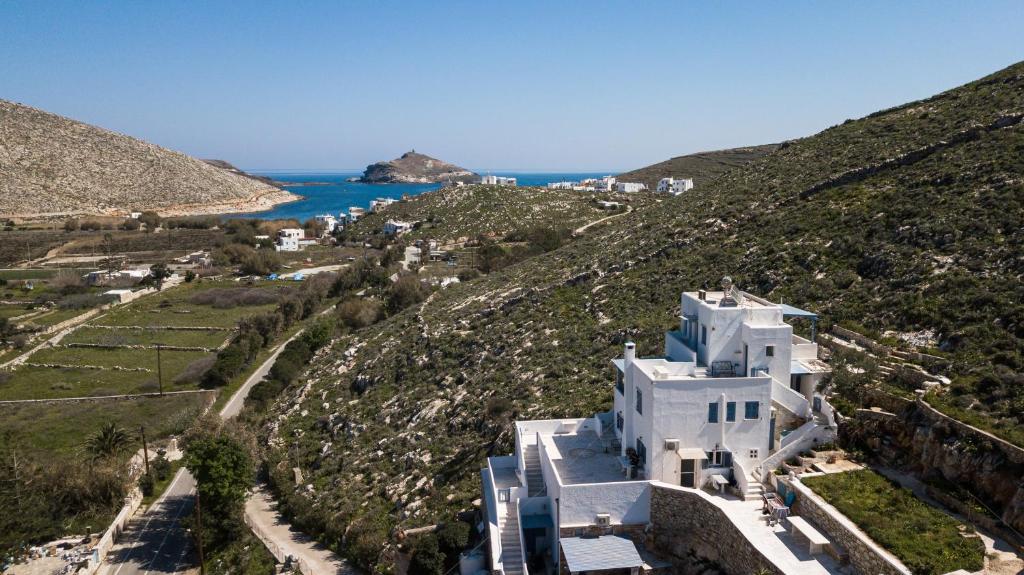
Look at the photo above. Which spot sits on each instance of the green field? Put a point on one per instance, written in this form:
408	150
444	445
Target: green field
925	539
56	316
9	311
174	308
40	273
30	382
182	338
67	425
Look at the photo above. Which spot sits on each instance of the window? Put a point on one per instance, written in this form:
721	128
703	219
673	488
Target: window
769	351
619	383
753	454
713	412
704	335
753	410
641	452
618	420
719	458
639	402
730	411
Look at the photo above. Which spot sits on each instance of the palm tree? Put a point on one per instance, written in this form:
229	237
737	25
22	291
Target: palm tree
110	440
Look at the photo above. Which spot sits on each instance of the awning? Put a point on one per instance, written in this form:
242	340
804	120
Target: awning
797	368
790	311
691	453
620	363
599	553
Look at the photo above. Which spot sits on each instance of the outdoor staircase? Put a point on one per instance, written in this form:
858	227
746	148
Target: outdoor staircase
534	476
511	549
754	489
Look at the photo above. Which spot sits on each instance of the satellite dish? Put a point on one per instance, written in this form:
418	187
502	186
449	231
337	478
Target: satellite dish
727	284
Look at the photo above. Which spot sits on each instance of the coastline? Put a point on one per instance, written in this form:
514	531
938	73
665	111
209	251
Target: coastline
260	202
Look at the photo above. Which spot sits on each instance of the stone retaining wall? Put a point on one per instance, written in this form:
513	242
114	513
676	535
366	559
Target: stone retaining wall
866	556
694	535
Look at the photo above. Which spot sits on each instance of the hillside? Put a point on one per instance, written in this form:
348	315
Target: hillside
414	168
906	220
701	167
457	214
54	166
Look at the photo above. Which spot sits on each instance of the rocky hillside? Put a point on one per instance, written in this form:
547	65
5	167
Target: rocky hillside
905	221
701	167
414	168
225	165
55	166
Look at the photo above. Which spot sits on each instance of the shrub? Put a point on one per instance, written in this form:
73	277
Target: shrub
195	370
408	290
356	313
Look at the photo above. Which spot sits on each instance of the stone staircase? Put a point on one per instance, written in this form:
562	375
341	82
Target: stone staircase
754	489
534	476
511	549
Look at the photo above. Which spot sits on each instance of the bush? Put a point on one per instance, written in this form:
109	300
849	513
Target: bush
146	484
408	290
452	538
227	298
356	313
427	558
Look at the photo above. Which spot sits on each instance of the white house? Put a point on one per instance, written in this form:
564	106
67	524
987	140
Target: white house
605	184
629	187
354	213
705	414
328	221
379	204
292	240
674	186
396	227
497	180
561	185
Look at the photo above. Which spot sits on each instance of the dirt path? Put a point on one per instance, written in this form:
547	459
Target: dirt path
581	229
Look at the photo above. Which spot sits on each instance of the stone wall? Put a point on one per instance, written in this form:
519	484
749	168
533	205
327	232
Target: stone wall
866	556
695	535
929	444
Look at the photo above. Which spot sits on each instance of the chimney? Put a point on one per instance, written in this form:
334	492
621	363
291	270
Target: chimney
702	295
630	353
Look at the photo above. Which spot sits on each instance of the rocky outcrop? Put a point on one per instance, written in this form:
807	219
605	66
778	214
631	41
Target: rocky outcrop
932	445
51	166
413	168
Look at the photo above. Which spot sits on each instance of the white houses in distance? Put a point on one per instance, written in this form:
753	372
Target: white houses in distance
675	186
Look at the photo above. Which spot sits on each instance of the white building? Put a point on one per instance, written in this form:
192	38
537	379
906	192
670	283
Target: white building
605	184
629	187
706	414
562	185
490	180
396	227
354	213
379	204
675	186
328	221
292	240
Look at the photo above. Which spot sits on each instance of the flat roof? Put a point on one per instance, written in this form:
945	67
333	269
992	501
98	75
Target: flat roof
599	553
581	458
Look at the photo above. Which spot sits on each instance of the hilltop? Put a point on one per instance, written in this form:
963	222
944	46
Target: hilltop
906	221
55	166
701	167
414	168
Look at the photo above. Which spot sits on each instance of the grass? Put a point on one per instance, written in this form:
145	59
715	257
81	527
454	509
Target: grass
39	273
173	308
60	429
181	338
160	485
30	382
9	311
1009	430
928	541
56	316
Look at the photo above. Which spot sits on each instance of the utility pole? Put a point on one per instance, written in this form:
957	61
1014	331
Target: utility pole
145	448
159	369
199	533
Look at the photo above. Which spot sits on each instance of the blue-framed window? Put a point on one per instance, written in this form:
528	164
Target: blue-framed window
704	335
730	411
639	401
618	420
713	412
752	410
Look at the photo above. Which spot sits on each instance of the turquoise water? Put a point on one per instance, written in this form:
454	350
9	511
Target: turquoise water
338	195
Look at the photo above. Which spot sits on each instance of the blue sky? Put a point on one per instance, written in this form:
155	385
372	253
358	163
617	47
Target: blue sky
515	85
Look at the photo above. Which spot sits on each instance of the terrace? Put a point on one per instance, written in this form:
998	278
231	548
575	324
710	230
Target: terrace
581	458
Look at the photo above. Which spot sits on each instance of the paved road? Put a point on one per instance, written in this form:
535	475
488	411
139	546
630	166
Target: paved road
156	542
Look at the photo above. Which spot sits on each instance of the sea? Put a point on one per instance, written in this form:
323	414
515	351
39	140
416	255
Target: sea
332	194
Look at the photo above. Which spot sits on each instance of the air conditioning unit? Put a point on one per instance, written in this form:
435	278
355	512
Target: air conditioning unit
671	444
604	520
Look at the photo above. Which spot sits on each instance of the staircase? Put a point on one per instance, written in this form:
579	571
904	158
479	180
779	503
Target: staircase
754	489
534	476
511	549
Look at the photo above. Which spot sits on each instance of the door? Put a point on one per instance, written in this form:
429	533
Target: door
745	372
688	473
